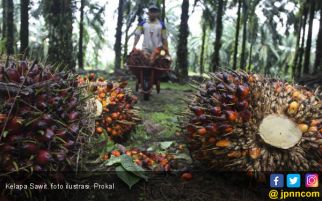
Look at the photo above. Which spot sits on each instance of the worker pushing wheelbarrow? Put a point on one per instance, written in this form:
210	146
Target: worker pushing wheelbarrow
154	59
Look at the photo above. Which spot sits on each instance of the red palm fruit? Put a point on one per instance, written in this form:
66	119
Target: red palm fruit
116	153
3	117
48	118
223	143
74	128
129	153
13	74
138	162
61	133
187	176
14	124
30	148
202	118
243	91
120	97
74	115
202	131
91	77
315	122
242	105
245	115
225	128
23	68
115	115
43	157
212	129
215	111
99	130
231	98
104	157
191	129
212	140
109	86
197	110
231	115
167	168
49	134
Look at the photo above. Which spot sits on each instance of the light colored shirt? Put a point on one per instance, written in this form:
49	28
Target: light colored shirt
154	34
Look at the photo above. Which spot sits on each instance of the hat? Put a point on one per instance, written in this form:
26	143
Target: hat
153	8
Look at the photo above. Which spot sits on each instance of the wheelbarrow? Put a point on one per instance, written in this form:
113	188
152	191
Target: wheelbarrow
146	78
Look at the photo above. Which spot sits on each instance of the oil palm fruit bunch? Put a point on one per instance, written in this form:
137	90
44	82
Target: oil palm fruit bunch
116	115
138	58
148	160
248	122
160	58
41	118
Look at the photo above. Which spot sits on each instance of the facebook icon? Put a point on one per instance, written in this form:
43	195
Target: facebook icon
277	180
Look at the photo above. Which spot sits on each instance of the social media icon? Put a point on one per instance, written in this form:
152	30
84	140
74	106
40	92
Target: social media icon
277	180
293	180
311	180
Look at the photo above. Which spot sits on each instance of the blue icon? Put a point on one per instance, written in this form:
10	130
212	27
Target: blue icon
277	180
293	180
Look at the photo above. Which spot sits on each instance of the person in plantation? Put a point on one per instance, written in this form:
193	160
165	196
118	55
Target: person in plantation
154	31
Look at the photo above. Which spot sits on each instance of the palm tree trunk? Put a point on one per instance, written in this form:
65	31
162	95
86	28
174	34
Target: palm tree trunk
202	52
243	53
81	33
139	13
4	19
118	36
219	28
318	55
306	69
301	49
59	21
24	26
250	56
253	30
163	10
236	36
10	27
182	51
298	38
128	26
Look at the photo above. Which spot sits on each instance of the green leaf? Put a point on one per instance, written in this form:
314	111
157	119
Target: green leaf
183	156
127	177
113	160
110	146
129	165
5	133
166	144
16	165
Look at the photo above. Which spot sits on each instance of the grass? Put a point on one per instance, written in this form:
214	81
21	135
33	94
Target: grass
161	110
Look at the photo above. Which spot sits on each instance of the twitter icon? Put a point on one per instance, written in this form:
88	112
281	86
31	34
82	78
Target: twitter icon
293	180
